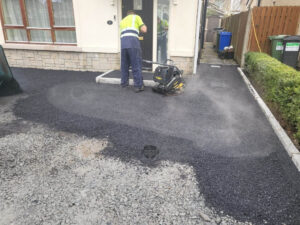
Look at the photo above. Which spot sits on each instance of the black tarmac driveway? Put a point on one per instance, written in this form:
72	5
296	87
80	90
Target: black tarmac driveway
215	126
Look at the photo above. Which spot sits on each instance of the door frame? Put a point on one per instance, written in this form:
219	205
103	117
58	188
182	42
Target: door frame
154	38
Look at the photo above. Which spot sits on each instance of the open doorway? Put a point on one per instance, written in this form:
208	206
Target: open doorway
144	8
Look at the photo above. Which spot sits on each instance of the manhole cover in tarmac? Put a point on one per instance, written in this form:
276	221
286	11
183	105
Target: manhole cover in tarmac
150	151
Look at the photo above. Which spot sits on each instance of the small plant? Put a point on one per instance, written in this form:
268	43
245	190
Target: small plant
280	84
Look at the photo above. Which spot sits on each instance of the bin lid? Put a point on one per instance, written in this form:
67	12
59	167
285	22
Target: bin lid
277	37
225	33
292	38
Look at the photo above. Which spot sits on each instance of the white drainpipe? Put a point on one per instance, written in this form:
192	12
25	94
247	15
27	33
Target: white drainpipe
197	36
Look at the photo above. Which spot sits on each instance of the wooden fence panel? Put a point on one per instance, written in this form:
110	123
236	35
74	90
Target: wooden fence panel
241	34
236	24
270	21
267	21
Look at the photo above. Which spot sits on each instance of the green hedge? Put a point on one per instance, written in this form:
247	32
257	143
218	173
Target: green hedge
280	84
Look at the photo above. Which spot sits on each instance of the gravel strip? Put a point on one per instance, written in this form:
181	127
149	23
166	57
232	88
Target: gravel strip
51	177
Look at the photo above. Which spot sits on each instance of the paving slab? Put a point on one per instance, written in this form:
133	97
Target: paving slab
218	158
210	56
117	74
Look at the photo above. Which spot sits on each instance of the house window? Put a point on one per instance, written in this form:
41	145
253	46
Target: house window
38	21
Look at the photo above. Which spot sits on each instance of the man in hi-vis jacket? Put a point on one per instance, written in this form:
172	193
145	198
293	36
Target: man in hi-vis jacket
131	51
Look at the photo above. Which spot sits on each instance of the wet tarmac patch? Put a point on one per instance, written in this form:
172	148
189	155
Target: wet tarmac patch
219	123
78	92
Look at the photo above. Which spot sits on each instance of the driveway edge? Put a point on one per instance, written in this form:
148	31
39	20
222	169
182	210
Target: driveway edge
106	80
102	75
280	132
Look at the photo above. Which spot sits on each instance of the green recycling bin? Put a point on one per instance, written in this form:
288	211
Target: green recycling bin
277	46
8	85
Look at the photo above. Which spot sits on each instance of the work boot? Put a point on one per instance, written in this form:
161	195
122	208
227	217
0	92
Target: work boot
140	89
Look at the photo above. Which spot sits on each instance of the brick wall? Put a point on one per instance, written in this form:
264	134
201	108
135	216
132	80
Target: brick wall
184	63
78	61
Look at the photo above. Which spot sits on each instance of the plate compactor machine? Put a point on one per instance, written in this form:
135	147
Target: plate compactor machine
168	78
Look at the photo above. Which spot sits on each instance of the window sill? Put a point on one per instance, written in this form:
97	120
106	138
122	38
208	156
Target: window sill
42	47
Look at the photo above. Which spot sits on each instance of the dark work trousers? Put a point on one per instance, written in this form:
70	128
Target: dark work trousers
131	56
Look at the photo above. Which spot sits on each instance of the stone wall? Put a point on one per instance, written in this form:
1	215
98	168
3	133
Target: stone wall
58	60
184	63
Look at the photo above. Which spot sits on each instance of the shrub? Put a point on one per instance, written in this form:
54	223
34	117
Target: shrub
280	84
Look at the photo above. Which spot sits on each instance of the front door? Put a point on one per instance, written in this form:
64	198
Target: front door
144	8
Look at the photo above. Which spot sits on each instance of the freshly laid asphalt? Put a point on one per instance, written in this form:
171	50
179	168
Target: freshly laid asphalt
215	126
